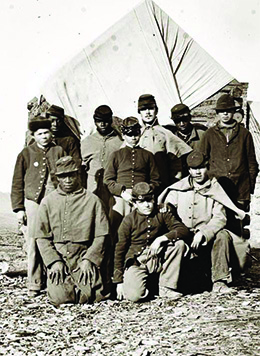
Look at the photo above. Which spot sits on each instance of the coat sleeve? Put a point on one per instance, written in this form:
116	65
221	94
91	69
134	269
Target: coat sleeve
177	230
216	223
44	237
252	162
74	150
175	145
97	249
86	152
154	173
122	246
17	192
110	176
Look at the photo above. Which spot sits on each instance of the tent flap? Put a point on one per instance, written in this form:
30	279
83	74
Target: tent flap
145	52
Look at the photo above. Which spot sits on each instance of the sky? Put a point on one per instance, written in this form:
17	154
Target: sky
38	36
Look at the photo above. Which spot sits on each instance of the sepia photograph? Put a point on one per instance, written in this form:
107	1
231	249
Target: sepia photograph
130	187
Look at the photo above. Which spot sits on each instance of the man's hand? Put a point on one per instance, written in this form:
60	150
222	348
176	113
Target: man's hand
88	272
57	272
198	239
120	291
21	216
126	195
163	208
156	246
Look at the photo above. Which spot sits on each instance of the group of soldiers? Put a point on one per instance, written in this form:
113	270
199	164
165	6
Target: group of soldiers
126	212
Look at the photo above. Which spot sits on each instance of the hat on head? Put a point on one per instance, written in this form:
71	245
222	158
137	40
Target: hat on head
179	110
65	165
142	191
146	101
130	126
56	111
39	122
196	159
103	113
225	102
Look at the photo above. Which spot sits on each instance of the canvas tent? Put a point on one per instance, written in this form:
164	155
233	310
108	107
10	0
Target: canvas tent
254	125
145	52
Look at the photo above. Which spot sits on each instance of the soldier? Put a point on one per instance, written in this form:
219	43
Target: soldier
126	167
230	149
96	149
33	179
201	204
62	135
149	242
165	146
73	238
183	128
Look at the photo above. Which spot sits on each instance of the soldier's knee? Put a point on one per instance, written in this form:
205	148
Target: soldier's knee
135	294
61	294
180	245
222	238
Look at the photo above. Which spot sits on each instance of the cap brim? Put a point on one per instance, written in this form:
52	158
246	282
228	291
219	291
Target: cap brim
64	172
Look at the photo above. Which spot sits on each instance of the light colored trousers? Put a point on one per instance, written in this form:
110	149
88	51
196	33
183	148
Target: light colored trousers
119	210
167	264
34	264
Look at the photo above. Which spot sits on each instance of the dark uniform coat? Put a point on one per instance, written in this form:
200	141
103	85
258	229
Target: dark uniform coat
31	172
138	231
233	158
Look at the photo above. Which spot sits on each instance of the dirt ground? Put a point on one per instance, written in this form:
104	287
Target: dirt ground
200	324
203	324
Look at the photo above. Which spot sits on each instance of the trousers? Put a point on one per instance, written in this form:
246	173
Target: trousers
167	264
35	269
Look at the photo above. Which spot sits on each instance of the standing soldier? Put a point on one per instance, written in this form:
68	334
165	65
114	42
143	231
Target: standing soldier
126	167
34	177
95	150
183	128
62	135
161	142
230	149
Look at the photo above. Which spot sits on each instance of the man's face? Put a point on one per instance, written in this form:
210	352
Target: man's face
43	137
69	182
145	207
103	127
132	141
182	123
148	115
199	175
225	116
56	123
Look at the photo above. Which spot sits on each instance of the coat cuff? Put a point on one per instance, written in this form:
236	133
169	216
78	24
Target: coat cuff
118	276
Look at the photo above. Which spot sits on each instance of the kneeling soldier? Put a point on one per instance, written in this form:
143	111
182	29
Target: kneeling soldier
149	242
72	236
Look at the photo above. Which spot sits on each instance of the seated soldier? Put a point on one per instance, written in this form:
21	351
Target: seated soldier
201	203
148	242
72	236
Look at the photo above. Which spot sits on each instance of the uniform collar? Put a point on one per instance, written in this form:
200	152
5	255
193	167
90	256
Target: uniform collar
155	123
76	192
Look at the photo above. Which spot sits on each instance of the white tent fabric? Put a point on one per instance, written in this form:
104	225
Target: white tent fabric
145	52
254	125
